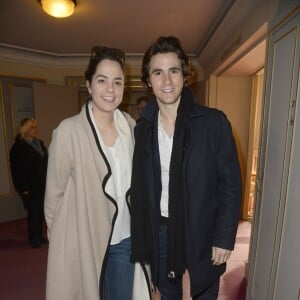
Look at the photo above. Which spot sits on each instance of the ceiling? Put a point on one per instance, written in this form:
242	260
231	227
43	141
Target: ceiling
131	25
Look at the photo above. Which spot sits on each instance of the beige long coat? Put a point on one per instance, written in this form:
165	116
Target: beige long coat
78	214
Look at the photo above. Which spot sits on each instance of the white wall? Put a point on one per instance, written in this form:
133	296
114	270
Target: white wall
241	30
233	97
274	266
52	104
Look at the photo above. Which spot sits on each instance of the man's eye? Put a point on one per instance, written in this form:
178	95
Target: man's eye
120	83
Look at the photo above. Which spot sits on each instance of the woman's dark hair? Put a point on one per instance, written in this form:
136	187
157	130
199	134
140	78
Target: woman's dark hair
165	45
100	53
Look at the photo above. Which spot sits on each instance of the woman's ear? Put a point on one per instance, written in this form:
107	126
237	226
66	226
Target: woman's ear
87	83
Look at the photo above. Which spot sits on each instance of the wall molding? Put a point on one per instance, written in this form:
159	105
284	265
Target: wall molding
53	60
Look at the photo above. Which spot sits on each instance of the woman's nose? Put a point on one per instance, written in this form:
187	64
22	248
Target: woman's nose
110	86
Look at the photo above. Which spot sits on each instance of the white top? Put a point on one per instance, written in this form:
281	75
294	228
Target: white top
165	144
115	156
117	184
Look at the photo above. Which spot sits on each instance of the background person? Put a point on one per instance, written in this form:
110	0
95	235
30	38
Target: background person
28	162
89	175
186	184
141	102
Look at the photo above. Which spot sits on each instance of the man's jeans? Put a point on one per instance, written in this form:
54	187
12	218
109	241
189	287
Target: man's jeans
211	293
171	289
118	280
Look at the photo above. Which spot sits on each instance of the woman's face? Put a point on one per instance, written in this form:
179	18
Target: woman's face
32	131
107	86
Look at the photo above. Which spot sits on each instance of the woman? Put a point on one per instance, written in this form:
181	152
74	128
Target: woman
28	161
88	178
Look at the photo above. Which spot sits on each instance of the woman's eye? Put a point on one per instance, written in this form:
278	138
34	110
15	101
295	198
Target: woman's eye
157	73
119	83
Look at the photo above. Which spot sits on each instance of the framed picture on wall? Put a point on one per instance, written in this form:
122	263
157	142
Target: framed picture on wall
5	186
75	81
79	83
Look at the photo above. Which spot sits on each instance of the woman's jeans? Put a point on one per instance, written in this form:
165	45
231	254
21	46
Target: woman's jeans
118	279
171	289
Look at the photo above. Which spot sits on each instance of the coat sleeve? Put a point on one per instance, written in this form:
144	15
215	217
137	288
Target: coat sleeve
18	169
229	186
58	174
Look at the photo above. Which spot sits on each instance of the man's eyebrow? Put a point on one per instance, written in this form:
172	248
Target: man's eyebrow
170	69
155	70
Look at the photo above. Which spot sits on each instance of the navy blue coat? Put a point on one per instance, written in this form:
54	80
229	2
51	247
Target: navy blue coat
212	185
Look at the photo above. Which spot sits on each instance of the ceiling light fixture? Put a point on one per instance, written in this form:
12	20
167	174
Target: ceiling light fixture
59	8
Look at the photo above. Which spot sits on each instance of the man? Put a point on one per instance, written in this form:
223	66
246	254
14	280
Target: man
186	185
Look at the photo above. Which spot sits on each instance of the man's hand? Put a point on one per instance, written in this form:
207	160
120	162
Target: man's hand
220	256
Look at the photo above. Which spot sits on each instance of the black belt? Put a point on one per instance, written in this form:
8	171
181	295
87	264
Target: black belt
164	220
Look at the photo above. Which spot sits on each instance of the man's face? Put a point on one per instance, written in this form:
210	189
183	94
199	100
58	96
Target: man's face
166	78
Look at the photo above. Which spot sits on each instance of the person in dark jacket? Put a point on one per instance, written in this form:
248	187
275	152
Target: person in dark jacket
141	102
186	183
28	162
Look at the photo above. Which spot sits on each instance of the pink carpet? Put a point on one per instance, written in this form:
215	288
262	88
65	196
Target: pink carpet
23	269
233	284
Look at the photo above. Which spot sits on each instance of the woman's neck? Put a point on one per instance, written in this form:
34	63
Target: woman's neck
106	126
103	120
